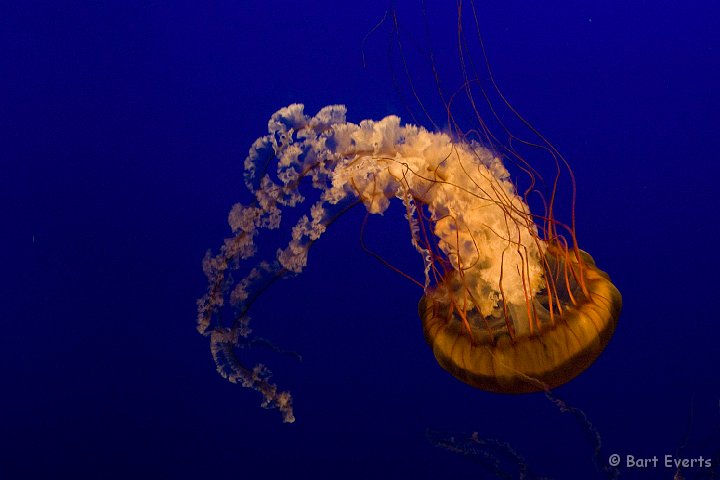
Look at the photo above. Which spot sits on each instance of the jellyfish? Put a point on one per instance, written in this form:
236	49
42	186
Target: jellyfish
510	303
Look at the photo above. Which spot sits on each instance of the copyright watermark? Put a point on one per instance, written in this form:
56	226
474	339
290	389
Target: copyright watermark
664	461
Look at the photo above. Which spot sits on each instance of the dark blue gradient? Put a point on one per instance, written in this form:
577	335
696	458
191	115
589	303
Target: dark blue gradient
124	128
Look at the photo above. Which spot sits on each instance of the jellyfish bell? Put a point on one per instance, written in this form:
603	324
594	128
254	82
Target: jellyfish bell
523	349
508	305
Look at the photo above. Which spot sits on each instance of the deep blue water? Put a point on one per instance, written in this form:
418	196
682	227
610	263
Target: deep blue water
124	128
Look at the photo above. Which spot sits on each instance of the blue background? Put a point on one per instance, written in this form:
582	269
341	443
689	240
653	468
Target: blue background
124	127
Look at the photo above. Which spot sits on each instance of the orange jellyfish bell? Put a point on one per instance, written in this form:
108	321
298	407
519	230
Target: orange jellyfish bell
545	345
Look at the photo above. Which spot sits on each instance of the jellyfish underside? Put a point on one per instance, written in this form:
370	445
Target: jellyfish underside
508	305
490	357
